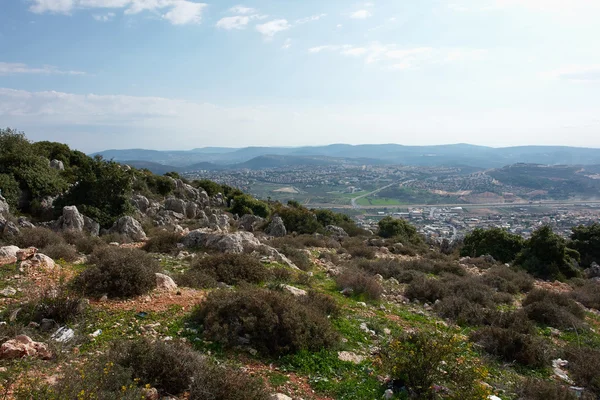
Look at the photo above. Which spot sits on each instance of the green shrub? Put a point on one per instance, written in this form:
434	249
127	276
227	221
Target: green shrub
298	218
426	361
163	242
586	241
272	322
9	187
60	305
298	257
245	204
231	269
360	283
498	243
398	228
512	346
118	272
553	309
426	289
61	251
545	255
362	251
196	279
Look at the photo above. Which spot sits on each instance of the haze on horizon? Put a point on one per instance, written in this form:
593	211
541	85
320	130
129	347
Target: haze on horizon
184	74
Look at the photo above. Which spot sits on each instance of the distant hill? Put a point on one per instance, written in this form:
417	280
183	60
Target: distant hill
442	155
153	167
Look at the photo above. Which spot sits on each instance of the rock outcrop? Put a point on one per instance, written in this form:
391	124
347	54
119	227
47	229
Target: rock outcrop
336	231
129	227
39	261
593	271
8	255
250	223
177	205
72	220
276	227
4	208
141	203
165	282
57	164
224	242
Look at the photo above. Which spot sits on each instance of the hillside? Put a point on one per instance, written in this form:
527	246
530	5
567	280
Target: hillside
138	286
442	155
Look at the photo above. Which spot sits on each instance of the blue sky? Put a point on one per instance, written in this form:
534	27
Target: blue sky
180	74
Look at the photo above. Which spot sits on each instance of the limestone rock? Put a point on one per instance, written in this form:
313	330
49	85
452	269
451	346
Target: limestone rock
10	229
296	292
8	292
336	231
349	356
593	271
141	202
8	255
24	223
177	205
4	208
250	222
71	219
165	282
224	242
22	346
24	254
39	261
57	164
129	227
276	227
280	396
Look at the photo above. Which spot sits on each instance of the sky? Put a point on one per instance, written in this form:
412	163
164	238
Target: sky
182	74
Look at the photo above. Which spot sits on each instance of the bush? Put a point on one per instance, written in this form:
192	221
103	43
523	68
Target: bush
298	219
512	346
60	305
432	365
61	251
546	256
195	279
244	204
272	322
322	302
38	238
588	294
583	367
84	243
461	310
360	283
498	243
163	242
398	228
553	309
118	272
586	240
362	252
536	389
298	257
507	280
426	289
231	269
434	267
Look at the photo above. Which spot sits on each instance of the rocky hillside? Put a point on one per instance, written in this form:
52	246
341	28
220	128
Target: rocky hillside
197	291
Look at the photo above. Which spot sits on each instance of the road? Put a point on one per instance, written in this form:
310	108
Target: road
353	203
488	205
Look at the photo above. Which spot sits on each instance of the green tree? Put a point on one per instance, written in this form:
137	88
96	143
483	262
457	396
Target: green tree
498	243
102	192
546	255
586	240
390	227
211	188
9	188
298	218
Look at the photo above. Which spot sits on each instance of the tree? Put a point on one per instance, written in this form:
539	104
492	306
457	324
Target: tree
498	243
390	227
246	204
298	218
586	240
546	255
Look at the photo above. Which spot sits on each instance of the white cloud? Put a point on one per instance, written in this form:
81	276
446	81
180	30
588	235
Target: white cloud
400	58
178	12
287	44
361	14
242	10
312	18
271	28
104	17
576	73
19	68
230	23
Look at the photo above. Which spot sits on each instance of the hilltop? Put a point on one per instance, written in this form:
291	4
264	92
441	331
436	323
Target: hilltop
117	283
442	155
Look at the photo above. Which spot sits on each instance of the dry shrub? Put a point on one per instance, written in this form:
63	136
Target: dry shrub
553	309
362	252
38	238
83	242
61	251
434	267
360	283
505	279
512	346
195	279
280	274
583	367
163	242
59	305
426	289
118	272
231	269
325	303
536	389
588	294
272	322
298	257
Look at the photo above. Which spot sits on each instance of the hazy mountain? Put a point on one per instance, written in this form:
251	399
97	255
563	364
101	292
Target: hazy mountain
450	155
